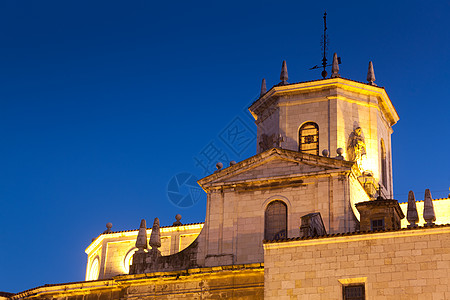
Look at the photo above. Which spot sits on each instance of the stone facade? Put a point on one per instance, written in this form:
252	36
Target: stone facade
245	282
407	264
114	250
233	233
285	223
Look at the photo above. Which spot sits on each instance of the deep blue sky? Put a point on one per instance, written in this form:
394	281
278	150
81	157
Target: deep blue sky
102	103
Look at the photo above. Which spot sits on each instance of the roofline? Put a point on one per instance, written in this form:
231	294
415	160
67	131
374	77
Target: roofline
117	281
149	228
97	284
132	232
380	202
314	80
355	233
320	83
261	156
436	199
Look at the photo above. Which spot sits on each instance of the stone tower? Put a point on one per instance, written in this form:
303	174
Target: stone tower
329	114
296	172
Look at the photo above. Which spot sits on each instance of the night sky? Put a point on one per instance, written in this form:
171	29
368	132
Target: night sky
102	103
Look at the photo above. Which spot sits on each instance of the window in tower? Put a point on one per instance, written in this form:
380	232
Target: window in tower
308	137
384	180
275	221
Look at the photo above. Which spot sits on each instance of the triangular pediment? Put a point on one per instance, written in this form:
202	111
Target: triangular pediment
275	164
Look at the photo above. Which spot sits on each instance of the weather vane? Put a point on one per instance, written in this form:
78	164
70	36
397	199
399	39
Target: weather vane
324	44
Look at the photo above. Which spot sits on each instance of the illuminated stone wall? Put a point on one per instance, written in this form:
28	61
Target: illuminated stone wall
405	264
338	106
114	250
234	226
357	194
244	282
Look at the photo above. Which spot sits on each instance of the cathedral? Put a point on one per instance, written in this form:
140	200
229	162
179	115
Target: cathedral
311	216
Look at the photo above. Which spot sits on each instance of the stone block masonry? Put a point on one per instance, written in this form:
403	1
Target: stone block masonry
410	264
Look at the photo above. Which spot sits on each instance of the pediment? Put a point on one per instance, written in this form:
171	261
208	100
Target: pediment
275	164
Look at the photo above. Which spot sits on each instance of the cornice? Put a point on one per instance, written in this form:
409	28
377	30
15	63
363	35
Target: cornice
266	156
342	83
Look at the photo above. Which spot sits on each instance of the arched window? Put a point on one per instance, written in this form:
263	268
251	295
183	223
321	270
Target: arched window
128	260
384	179
93	271
308	138
275	221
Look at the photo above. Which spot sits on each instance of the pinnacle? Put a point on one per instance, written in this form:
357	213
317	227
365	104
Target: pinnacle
284	73
263	87
412	215
335	67
371	74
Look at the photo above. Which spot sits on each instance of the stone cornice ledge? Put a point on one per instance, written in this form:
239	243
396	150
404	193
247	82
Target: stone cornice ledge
356	236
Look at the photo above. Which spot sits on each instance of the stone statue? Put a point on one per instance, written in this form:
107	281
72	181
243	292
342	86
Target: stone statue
267	141
357	146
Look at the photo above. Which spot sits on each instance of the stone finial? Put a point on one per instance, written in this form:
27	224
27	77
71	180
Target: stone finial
263	87
339	152
371	74
108	227
219	167
284	73
428	209
335	67
411	215
177	222
141	241
155	237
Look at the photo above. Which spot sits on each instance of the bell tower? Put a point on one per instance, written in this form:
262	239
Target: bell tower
328	116
296	173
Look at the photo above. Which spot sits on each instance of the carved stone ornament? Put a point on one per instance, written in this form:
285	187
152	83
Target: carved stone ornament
267	141
412	216
155	236
141	241
284	74
356	147
428	209
335	67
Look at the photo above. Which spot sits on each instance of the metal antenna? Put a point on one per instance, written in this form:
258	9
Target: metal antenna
324	44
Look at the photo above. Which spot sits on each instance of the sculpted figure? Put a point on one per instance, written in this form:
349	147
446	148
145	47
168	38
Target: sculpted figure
270	141
267	141
357	146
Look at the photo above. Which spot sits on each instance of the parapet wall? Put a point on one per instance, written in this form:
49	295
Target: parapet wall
441	209
245	282
114	250
405	264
